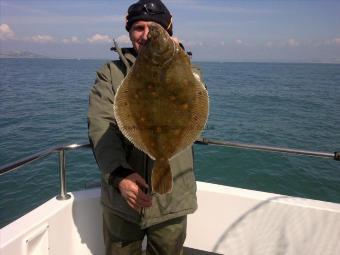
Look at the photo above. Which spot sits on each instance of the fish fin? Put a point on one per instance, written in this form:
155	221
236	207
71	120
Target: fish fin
198	118
125	119
200	107
161	177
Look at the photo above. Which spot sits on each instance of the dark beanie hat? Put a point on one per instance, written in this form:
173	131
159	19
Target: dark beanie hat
149	10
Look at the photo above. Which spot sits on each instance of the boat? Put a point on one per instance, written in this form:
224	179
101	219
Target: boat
228	220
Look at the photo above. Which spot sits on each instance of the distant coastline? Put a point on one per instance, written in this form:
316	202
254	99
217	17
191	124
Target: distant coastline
21	54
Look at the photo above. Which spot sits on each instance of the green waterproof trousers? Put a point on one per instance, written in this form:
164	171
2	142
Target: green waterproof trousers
125	238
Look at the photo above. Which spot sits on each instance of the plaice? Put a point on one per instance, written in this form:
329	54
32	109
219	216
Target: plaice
161	107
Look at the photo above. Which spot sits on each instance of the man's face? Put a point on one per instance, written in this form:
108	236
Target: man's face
138	34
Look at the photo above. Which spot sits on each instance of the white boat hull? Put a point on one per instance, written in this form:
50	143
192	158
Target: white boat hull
228	221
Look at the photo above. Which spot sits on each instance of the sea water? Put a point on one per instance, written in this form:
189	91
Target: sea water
44	102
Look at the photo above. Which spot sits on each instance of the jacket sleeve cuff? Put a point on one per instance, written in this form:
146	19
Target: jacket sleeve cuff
109	170
118	174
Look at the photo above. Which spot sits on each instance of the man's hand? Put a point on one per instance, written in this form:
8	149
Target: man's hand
131	189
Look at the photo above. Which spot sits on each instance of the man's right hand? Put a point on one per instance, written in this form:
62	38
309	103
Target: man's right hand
131	189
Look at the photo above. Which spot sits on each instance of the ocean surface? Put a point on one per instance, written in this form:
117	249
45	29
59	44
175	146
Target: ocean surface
43	103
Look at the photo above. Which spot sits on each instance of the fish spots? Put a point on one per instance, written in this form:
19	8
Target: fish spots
184	83
177	132
152	90
158	129
185	106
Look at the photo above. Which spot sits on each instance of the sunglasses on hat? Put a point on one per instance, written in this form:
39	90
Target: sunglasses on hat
148	8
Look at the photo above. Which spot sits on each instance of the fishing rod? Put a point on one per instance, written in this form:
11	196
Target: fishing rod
329	155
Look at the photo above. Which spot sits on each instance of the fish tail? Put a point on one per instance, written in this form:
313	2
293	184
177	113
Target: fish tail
161	177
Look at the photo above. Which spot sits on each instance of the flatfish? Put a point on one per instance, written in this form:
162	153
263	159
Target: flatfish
161	106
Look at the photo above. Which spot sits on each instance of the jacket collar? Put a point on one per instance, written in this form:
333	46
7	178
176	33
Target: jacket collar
130	54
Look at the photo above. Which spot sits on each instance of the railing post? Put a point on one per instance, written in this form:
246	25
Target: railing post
62	174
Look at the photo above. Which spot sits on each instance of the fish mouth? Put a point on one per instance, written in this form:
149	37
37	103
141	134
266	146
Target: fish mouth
157	40
155	31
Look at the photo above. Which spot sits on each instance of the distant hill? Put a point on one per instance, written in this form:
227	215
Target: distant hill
20	54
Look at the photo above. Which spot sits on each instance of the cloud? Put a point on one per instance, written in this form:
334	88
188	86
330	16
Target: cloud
292	42
239	41
42	39
334	41
123	40
269	44
6	32
72	39
99	38
188	43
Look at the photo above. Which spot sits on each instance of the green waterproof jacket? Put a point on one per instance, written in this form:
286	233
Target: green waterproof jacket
112	150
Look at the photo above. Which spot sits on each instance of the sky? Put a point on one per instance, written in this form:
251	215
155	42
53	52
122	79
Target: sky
214	30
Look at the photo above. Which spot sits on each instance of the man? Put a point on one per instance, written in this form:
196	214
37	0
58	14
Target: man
131	210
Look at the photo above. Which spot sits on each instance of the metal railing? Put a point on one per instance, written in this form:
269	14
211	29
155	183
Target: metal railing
63	148
43	154
320	154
